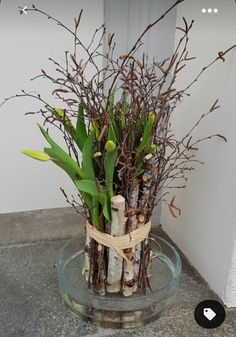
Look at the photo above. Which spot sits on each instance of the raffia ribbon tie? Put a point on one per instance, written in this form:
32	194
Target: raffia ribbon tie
118	243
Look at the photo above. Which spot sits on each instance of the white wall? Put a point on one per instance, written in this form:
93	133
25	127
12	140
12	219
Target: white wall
206	230
26	42
128	19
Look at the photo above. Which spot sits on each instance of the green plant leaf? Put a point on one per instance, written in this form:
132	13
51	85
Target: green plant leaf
63	159
89	192
87	156
145	142
116	124
92	204
61	115
111	132
113	122
124	110
81	133
106	207
146	134
70	167
94	127
90	187
109	166
111	99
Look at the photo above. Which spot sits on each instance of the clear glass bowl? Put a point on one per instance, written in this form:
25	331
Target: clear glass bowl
114	310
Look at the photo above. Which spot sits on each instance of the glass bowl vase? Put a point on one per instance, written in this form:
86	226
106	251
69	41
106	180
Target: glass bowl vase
114	310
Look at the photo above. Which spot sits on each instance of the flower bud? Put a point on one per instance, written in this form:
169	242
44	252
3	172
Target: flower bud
61	114
152	118
153	149
93	126
42	156
110	146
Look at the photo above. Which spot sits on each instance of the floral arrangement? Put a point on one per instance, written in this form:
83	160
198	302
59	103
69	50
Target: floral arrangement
121	153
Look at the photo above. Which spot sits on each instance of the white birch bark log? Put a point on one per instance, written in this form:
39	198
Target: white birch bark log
147	182
101	286
115	261
131	272
130	277
147	191
138	252
87	257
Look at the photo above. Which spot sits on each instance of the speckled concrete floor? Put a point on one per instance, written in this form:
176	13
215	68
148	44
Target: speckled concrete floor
30	305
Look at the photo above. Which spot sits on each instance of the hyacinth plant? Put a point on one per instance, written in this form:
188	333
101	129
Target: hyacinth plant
120	151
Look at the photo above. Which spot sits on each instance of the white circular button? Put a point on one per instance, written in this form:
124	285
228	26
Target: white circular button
204	10
216	10
209	10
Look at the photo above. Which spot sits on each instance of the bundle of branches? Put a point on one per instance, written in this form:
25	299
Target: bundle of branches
118	119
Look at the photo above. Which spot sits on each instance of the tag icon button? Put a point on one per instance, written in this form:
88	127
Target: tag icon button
209	313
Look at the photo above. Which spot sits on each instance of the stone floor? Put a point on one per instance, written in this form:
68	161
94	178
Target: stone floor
30	305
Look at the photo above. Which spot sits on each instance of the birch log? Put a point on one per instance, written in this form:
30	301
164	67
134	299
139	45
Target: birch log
141	221
130	278
146	193
87	271
147	183
115	261
100	286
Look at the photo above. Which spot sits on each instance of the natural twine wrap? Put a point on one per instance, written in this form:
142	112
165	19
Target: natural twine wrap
119	243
